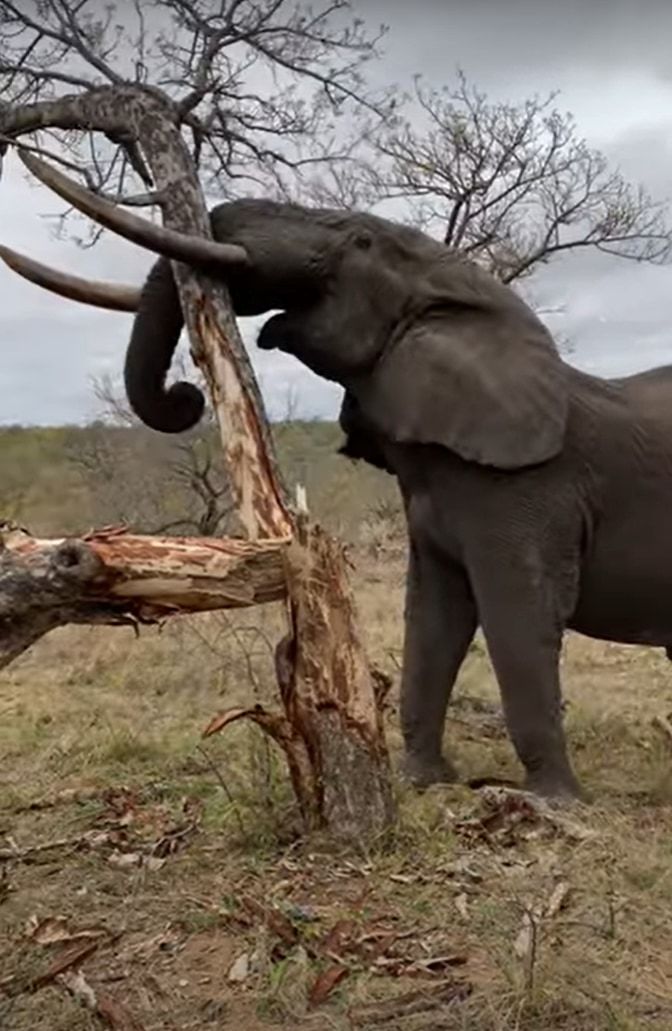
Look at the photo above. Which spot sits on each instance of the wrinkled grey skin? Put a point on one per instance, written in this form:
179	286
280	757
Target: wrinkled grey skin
538	498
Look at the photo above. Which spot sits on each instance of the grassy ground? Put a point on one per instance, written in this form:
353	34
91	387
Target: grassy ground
465	921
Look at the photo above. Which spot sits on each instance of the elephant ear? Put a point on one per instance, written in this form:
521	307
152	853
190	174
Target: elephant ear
487	384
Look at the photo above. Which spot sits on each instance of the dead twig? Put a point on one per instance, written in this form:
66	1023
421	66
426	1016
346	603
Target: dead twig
410	1004
68	958
16	853
65	797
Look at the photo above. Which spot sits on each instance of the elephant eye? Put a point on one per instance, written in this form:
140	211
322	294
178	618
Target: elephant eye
363	241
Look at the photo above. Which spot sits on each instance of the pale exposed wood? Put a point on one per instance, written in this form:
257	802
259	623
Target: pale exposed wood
260	494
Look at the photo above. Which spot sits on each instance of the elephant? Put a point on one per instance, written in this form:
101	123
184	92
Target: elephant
536	496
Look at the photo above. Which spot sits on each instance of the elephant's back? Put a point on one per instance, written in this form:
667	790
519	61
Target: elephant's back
649	394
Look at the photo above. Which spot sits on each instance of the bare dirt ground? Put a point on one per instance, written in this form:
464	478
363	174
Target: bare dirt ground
149	882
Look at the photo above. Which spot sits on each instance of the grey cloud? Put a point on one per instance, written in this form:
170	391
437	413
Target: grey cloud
499	38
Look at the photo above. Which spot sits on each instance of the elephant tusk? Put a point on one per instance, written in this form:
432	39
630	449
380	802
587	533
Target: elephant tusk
196	250
115	297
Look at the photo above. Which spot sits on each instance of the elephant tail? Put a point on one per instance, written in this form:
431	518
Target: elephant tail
154	338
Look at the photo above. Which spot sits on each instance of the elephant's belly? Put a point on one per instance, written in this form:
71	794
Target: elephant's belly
626	587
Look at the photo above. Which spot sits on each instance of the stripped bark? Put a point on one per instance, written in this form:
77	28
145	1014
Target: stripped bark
331	730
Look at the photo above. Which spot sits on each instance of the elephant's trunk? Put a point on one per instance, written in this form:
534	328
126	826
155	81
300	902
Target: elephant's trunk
154	338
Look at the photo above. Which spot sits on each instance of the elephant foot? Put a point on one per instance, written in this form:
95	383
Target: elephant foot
422	772
555	787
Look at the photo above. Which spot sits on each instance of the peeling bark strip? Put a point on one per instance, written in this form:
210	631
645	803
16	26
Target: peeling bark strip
290	739
119	578
331	729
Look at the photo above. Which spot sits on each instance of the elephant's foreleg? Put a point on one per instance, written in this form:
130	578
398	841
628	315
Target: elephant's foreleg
441	622
524	637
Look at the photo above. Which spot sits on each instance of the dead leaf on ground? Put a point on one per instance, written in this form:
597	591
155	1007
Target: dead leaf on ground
406	878
273	919
116	1015
53	930
154	863
325	983
524	941
170	842
339	937
462	869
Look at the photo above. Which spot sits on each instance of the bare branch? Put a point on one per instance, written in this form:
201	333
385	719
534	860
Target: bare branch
513	186
308	64
146	481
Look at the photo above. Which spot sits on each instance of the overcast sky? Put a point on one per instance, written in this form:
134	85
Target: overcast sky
612	64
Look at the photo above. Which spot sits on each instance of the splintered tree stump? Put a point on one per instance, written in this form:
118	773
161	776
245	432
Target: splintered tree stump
331	690
330	726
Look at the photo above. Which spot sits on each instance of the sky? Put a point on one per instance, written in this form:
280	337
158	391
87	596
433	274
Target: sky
612	65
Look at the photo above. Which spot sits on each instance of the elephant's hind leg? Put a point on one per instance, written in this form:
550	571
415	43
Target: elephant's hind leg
523	625
441	622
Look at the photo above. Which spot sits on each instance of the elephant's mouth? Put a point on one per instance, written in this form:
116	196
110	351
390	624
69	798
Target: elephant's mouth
275	334
297	332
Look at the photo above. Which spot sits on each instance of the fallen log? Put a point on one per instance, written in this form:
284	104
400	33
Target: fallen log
121	578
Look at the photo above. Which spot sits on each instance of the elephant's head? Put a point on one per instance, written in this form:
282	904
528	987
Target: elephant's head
430	348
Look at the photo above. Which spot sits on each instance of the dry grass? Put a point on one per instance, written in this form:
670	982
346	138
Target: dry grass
94	710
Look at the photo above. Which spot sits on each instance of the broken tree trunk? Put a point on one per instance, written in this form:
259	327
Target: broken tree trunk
126	579
331	728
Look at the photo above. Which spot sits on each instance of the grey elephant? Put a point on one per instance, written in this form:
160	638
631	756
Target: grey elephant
537	497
